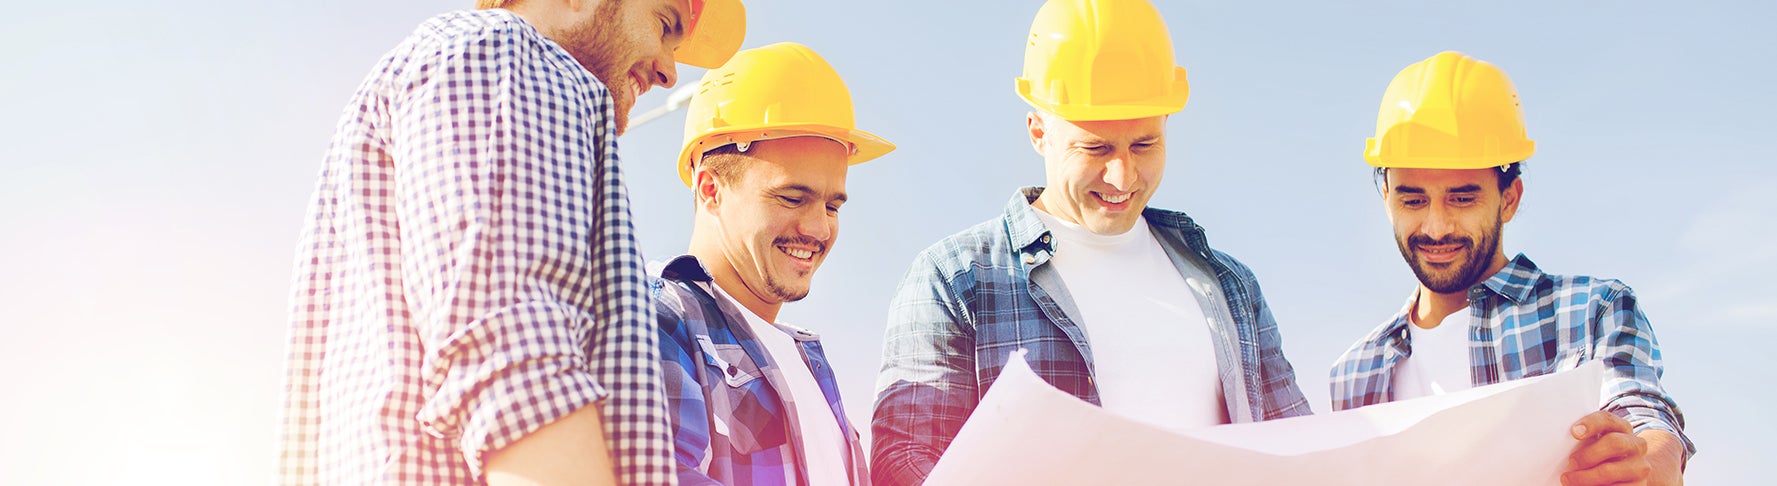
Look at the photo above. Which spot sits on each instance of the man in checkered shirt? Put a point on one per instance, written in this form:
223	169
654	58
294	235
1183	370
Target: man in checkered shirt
469	302
1448	153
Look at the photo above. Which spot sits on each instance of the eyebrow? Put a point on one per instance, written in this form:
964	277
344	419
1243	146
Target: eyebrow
1468	188
838	196
1096	140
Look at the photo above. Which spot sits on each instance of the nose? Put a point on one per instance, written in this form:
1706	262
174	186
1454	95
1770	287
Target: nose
1438	222
819	225
666	72
1119	174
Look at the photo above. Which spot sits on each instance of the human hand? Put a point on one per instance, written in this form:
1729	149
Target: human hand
1609	452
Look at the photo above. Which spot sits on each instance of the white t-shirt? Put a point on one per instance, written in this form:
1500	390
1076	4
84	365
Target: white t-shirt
1152	355
1439	362
823	444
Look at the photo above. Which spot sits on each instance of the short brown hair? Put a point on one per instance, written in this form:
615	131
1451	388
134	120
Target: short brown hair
723	161
1507	174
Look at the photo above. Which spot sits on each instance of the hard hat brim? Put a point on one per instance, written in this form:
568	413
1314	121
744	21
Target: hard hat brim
1167	104
865	146
1373	156
720	29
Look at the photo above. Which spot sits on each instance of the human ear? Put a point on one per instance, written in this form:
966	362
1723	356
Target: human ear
1512	196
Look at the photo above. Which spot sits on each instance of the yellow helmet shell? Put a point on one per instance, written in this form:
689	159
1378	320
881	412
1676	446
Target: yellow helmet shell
717	29
1101	60
777	91
1450	111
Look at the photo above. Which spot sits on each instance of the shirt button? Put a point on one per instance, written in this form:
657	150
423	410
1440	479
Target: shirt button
1045	239
1030	259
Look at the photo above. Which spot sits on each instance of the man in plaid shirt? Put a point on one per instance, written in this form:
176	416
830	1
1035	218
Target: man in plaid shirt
1120	304
1447	153
470	304
769	138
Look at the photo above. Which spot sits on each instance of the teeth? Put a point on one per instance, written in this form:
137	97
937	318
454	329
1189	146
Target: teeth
802	254
1115	199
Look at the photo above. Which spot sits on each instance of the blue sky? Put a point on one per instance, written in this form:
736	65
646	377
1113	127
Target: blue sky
158	157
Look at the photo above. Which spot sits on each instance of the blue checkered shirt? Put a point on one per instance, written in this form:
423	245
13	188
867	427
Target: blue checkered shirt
1529	323
731	423
974	297
467	272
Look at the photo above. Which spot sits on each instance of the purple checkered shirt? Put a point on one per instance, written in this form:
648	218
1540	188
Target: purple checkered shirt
468	272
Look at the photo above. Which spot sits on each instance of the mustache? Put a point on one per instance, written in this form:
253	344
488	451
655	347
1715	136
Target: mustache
1422	240
820	247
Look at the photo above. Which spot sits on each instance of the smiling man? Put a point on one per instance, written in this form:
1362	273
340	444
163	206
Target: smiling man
1117	303
1448	151
768	142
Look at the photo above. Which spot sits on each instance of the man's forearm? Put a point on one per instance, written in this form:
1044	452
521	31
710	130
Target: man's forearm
1665	454
570	450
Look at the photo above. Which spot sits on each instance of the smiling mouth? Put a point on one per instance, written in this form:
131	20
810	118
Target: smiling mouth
1115	199
638	85
798	253
1439	253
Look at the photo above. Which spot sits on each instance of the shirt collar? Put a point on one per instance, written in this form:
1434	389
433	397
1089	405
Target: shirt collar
682	268
1025	229
1022	223
1516	281
1395	333
687	268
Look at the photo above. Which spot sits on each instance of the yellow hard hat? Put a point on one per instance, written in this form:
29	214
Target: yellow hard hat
713	32
777	91
1101	60
1449	111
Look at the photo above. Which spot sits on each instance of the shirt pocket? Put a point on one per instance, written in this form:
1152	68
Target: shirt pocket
731	362
744	408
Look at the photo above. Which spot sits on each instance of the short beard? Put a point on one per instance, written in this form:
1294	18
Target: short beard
598	45
778	289
783	293
1468	272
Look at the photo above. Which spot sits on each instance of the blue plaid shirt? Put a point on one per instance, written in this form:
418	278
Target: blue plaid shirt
973	298
1528	323
732	424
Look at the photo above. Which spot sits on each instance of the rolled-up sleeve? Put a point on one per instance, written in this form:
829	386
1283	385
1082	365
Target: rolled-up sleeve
1632	386
497	168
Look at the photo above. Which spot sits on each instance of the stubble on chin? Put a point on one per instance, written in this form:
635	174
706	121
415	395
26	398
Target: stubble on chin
594	44
783	292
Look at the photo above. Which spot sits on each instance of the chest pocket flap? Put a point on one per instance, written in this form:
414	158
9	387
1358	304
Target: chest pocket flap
743	406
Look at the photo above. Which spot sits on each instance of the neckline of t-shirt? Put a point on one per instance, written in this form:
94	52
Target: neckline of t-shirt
1079	234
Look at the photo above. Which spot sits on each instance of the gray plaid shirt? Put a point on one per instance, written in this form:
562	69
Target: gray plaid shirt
973	298
468	272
